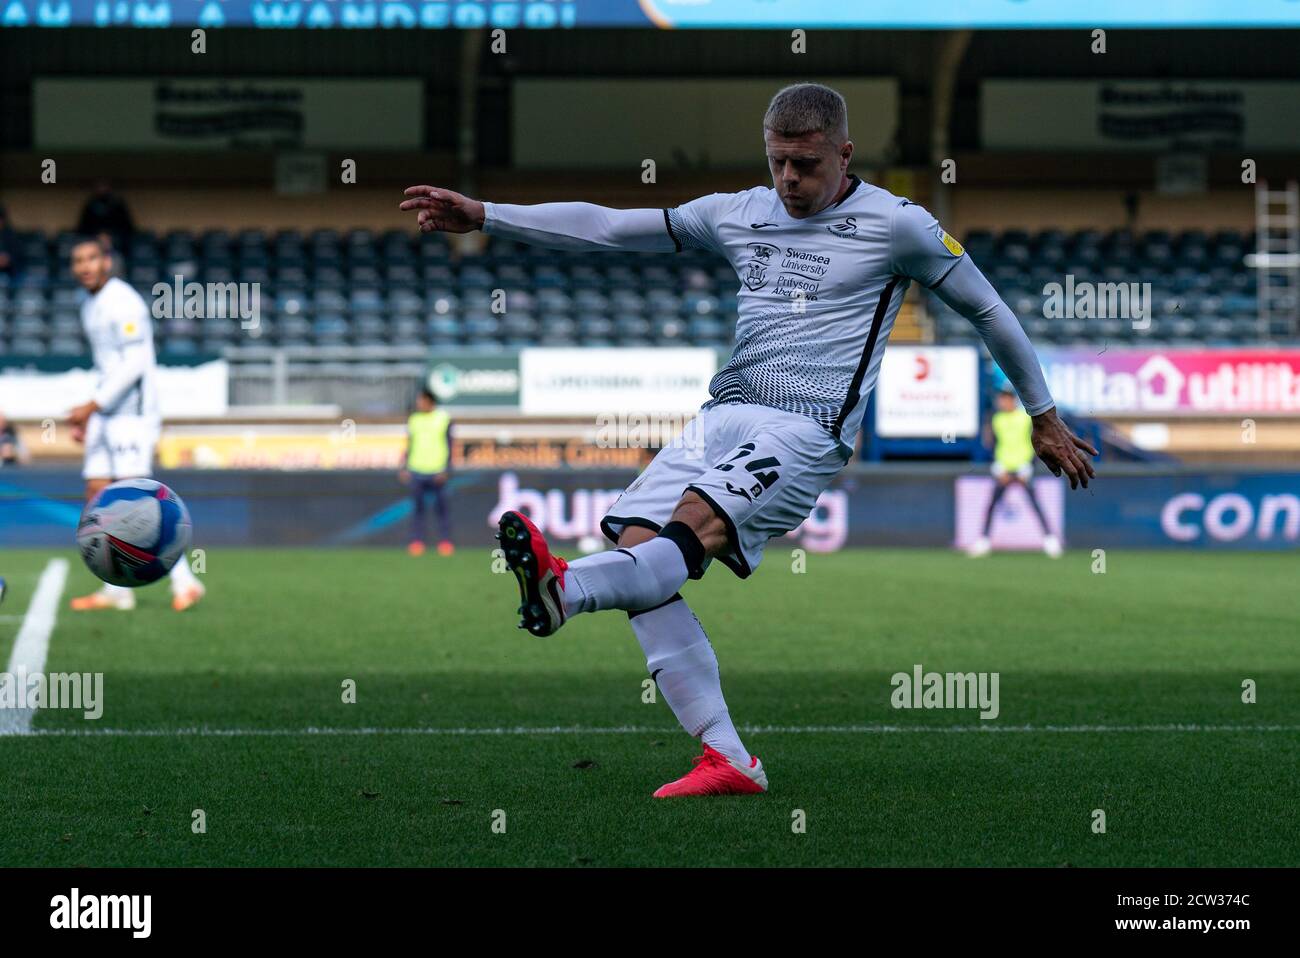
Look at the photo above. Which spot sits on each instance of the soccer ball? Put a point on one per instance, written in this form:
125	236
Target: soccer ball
133	532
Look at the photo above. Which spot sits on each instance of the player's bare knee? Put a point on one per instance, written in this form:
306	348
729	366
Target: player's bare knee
634	535
703	521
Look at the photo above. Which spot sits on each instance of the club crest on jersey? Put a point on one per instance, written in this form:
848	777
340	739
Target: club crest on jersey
949	242
846	228
759	260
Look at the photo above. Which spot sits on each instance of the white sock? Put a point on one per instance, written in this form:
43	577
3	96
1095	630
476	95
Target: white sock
114	591
683	664
639	577
181	576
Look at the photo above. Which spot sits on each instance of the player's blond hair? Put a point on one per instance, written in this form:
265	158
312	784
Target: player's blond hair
804	108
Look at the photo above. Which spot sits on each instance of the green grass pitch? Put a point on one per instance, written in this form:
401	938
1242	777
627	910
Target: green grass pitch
1115	689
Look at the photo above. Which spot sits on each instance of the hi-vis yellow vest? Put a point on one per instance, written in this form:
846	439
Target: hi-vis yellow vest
1013	446
429	451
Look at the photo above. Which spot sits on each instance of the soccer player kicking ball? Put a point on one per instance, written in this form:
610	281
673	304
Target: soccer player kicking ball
120	425
824	261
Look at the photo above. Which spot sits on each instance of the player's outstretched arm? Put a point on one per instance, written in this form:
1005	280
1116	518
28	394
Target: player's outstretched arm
568	226
967	291
922	251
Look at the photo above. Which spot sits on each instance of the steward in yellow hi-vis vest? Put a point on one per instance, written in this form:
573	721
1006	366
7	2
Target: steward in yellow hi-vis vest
428	460
1013	465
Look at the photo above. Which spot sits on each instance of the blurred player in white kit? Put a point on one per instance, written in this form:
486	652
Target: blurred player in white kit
121	423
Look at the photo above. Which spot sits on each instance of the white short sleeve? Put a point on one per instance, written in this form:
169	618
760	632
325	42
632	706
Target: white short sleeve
920	248
695	224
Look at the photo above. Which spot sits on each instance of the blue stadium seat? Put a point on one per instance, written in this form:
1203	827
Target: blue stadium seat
437	274
369	329
520	325
330	329
290	330
65	346
180	346
443	326
400	287
27	346
596	327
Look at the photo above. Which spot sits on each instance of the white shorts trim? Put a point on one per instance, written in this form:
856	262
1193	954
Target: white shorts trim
1024	473
120	447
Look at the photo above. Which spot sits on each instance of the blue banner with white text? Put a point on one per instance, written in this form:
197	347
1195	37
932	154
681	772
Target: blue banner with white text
664	14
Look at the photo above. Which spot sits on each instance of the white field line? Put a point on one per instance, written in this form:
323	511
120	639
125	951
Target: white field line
32	644
204	732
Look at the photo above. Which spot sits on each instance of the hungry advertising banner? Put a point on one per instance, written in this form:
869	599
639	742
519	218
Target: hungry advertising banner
1124	508
1202	382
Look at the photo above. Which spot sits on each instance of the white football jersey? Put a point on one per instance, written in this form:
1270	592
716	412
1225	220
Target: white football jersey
818	296
120	330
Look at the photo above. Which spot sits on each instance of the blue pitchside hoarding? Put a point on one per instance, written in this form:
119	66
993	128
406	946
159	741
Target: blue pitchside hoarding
881	506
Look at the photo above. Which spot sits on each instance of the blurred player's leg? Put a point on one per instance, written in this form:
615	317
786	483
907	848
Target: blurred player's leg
415	545
983	545
107	596
444	519
186	588
1051	544
998	493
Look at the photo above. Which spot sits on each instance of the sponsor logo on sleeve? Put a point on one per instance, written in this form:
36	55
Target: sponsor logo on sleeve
949	242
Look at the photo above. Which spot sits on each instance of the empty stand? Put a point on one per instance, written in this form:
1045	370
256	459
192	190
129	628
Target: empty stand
396	289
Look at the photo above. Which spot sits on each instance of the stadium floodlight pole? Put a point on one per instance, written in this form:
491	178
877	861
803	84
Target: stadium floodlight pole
952	50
